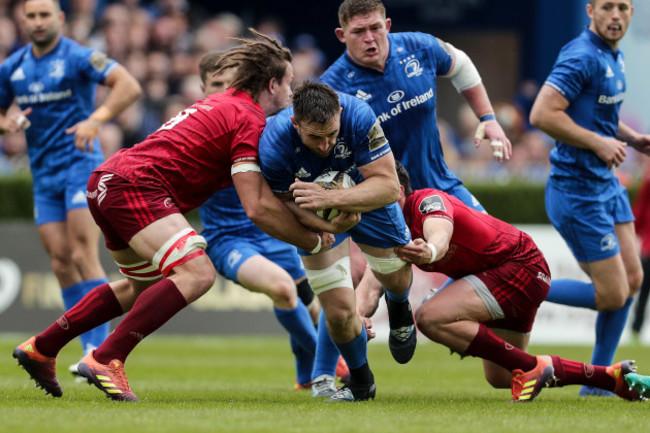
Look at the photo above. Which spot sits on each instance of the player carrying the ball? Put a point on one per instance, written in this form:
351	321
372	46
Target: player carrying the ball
329	131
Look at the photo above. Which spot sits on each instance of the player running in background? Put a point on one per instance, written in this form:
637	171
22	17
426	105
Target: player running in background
321	132
579	107
138	198
260	263
642	226
500	278
53	81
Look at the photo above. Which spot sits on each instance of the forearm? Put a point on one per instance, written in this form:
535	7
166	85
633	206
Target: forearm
374	192
478	100
561	127
124	91
626	134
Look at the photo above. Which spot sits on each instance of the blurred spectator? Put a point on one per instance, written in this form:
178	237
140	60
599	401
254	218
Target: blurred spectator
8	37
642	225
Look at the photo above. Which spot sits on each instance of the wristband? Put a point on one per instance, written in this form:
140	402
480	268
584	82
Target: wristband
486	117
434	252
318	247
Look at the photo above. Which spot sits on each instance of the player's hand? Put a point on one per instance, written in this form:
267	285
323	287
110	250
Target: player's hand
368	324
309	195
85	133
610	150
642	144
492	132
16	122
416	252
327	240
344	221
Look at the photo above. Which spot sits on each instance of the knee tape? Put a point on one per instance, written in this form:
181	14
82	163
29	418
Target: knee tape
336	275
177	250
385	265
141	271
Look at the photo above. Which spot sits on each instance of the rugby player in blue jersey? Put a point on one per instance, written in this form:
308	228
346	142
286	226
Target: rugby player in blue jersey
324	131
53	81
396	75
579	107
260	263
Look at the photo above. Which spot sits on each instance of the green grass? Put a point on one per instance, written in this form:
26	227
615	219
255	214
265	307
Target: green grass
245	384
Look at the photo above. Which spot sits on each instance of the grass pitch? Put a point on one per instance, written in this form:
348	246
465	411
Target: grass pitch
245	384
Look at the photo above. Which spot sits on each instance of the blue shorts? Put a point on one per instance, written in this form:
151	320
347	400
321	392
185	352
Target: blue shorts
381	228
463	194
54	197
586	222
230	252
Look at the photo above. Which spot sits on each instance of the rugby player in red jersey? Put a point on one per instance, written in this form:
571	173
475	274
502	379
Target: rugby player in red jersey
500	279
138	198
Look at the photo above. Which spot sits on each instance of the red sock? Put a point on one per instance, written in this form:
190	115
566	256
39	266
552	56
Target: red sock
96	308
577	373
153	308
488	346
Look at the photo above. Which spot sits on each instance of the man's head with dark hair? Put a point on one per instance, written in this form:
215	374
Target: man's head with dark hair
212	82
317	116
404	178
351	8
257	60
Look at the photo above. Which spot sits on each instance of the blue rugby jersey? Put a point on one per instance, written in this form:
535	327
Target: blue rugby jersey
404	99
223	214
591	76
60	88
284	157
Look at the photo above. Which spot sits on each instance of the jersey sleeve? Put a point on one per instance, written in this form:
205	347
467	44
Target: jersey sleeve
371	142
433	204
442	59
6	90
276	168
245	145
570	74
94	64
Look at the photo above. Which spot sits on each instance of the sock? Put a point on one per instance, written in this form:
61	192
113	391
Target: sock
327	355
361	375
99	306
153	308
304	361
398	297
298	324
96	336
609	327
488	346
572	292
577	373
355	352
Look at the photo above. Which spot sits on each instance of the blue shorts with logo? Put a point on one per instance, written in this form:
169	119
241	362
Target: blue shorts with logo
55	195
586	220
381	228
229	252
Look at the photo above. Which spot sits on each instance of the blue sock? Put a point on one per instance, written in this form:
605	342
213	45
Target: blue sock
573	293
304	362
609	327
327	355
355	352
398	297
71	296
298	324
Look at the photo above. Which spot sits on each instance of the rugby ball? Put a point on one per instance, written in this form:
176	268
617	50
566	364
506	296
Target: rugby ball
333	180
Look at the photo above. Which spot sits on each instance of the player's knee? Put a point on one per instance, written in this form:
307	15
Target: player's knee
340	319
612	300
429	321
635	279
284	294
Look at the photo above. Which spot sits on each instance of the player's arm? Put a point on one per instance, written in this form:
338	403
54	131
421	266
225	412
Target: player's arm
125	89
549	115
14	120
437	234
272	216
467	81
641	142
343	222
379	188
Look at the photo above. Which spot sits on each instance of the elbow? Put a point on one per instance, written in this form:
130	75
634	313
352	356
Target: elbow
135	90
535	119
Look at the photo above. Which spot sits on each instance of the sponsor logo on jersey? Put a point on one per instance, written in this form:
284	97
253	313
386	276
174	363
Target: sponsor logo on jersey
17	75
302	173
57	68
99	61
433	203
405	105
363	95
233	258
542	276
605	99
350	74
619	85
609	73
395	96
79	197
376	136
608	242
36	87
43	97
411	66
341	151
168	202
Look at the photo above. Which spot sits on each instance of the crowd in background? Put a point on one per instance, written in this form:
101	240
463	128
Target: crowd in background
160	42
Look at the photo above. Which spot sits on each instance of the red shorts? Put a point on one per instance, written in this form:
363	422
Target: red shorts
519	288
121	209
